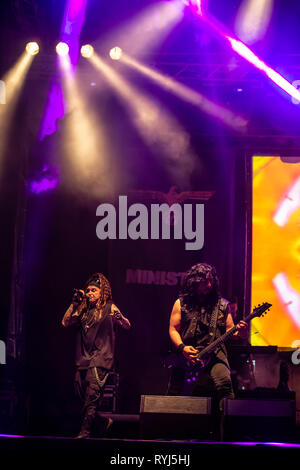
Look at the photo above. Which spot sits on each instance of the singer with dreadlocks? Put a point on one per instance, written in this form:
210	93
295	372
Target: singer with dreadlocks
198	316
95	316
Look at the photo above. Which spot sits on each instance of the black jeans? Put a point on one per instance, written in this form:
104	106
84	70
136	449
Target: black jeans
214	381
89	385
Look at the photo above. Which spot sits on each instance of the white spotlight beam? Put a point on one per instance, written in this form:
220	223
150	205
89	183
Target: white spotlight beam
215	110
13	82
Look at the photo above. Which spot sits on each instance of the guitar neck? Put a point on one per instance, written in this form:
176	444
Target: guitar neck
218	341
258	311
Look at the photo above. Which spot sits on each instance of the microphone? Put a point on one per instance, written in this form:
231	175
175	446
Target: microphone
78	296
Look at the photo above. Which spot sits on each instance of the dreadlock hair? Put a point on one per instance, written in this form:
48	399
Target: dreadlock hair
188	293
98	280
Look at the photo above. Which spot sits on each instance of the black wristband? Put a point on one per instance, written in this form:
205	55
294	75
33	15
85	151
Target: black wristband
181	347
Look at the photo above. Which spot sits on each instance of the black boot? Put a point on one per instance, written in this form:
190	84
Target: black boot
87	423
83	435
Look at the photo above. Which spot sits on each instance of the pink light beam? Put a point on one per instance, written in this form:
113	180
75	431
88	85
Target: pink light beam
195	6
288	296
288	205
72	23
240	48
245	52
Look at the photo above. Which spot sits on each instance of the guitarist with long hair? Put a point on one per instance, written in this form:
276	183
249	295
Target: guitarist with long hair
199	316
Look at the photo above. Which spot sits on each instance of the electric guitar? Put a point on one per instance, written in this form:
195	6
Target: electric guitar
204	353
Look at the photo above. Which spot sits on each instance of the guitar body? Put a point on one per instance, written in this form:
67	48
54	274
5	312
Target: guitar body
191	371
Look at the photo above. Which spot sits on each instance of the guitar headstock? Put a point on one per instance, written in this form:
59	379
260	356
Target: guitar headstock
260	310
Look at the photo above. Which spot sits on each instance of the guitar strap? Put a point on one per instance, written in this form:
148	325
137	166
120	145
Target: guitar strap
213	322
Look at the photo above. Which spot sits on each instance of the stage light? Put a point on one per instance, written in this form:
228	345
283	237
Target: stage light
115	53
62	49
87	51
32	48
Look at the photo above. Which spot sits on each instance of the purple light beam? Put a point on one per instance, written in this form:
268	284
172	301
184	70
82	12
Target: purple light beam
240	48
74	17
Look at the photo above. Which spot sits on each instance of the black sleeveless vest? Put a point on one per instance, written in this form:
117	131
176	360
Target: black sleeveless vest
195	324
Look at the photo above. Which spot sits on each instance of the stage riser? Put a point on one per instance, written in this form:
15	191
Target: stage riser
175	426
259	420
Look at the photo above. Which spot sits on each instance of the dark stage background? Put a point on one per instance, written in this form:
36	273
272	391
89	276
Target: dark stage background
48	240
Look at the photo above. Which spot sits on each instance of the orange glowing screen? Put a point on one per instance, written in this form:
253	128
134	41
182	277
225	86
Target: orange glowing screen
276	250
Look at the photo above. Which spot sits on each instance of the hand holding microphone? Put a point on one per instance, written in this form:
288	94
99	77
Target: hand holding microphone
78	296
